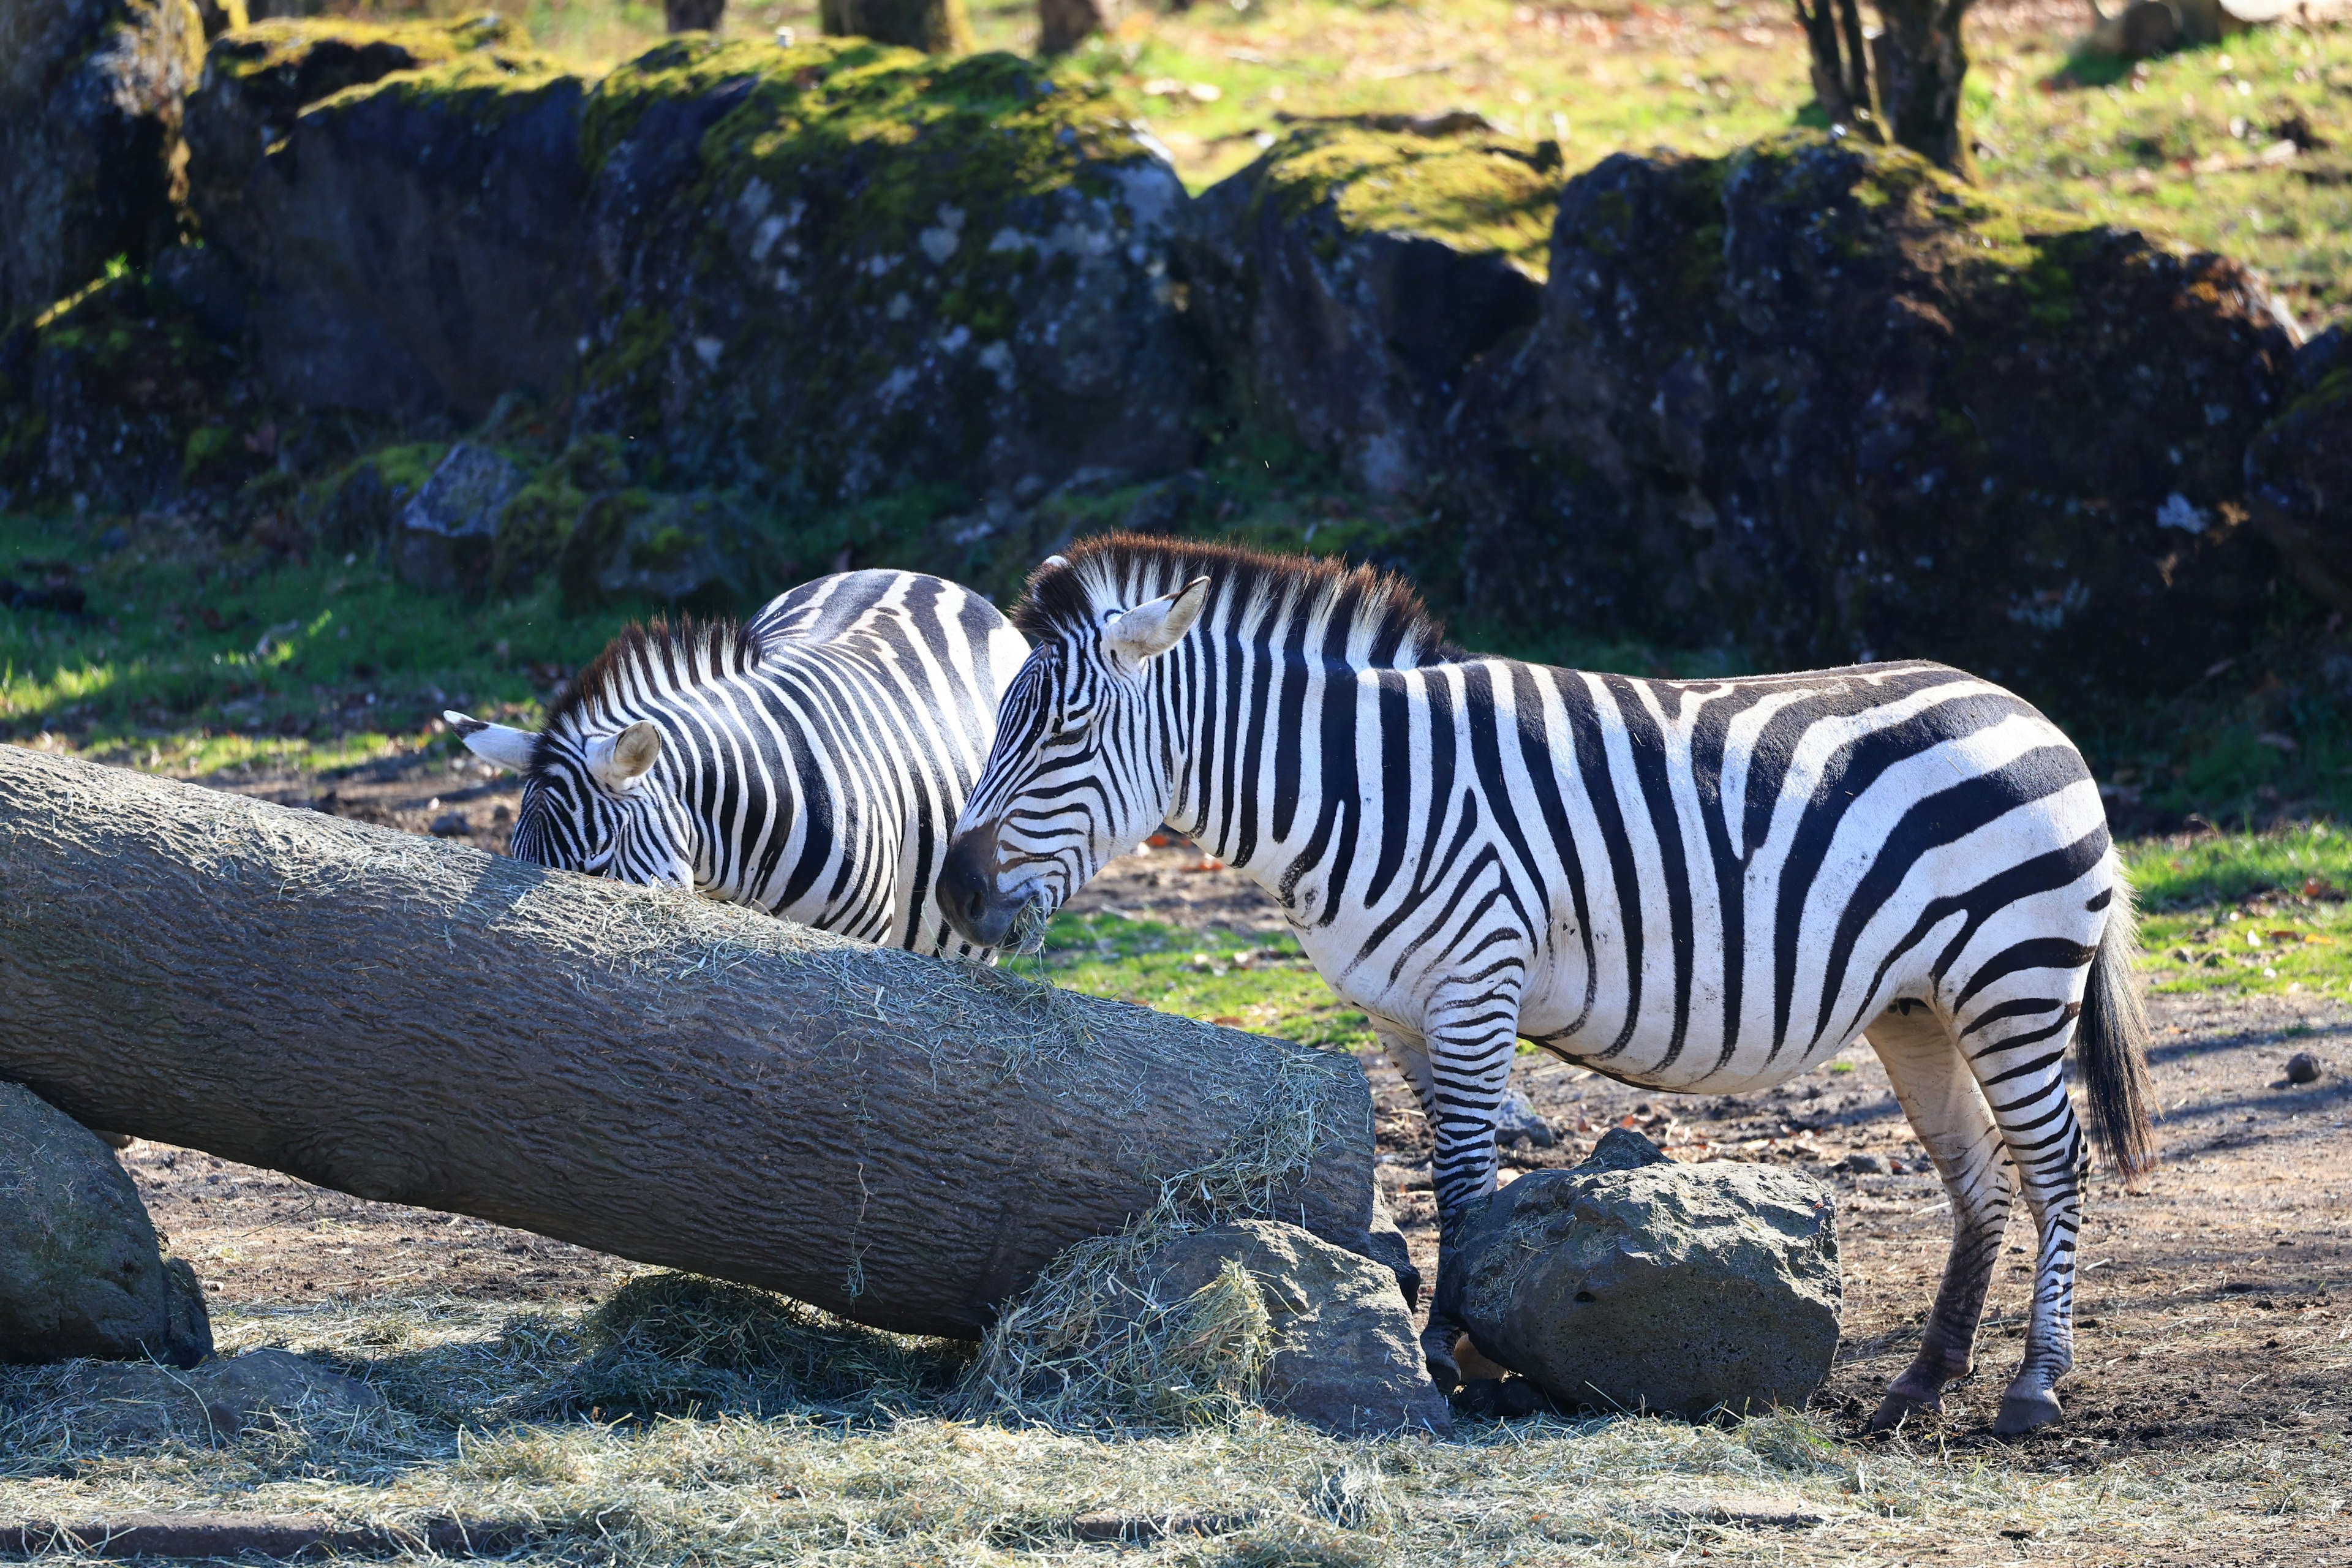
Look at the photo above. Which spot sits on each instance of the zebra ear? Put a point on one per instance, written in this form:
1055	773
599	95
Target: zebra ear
620	760
1147	631
500	743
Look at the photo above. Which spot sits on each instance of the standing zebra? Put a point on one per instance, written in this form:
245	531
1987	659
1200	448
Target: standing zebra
809	762
1697	886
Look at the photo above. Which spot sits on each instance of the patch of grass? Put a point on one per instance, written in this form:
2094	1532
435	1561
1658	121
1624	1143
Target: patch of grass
1264	985
192	656
2246	913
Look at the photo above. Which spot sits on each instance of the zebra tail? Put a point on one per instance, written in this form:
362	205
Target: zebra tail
2111	1045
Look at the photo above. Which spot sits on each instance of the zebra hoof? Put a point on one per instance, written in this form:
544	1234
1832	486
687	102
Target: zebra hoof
1896	1408
2025	1410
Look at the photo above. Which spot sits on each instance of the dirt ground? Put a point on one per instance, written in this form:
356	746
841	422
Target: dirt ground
2213	1305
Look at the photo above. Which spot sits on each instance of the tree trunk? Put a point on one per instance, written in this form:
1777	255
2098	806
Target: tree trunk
903	1140
1063	25
1920	61
693	15
934	27
1901	86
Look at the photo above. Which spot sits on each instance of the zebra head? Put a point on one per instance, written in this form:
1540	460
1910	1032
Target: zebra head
1078	773
594	799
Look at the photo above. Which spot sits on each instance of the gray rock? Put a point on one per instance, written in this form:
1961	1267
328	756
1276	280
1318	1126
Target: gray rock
448	531
1635	1282
91	94
1518	1123
415	247
1345	1357
2299	471
2303	1067
1344	321
217	1400
1864	1163
80	1272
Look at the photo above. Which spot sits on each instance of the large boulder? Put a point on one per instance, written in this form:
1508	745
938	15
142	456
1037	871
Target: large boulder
2299	472
80	1272
1635	1282
841	270
407	205
1344	1355
1350	274
90	96
1824	404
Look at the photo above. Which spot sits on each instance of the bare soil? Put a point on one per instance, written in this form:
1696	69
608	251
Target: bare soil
2214	1307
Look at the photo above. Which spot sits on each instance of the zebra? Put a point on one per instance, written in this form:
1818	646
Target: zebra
1693	886
808	762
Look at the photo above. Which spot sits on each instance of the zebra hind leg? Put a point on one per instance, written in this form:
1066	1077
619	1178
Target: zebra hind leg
1947	1111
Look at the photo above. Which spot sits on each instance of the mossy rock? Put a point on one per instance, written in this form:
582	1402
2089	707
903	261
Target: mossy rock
843	268
1822	403
2299	472
90	94
132	403
409	206
1350	276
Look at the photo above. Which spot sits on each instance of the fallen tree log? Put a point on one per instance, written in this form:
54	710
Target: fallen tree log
903	1140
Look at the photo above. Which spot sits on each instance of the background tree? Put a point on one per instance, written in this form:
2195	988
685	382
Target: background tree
934	27
1063	25
693	15
1901	84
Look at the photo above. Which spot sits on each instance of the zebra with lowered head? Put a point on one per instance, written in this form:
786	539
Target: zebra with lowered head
1695	886
809	762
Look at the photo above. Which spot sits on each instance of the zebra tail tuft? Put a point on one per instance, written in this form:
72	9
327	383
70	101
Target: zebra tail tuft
2111	1045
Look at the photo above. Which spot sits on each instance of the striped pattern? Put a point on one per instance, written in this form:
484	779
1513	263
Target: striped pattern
1689	885
812	760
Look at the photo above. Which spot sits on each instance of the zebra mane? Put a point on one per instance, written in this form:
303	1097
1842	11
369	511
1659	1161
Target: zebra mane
651	654
1381	613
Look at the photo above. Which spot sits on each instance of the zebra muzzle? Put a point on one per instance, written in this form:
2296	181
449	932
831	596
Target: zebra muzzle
982	912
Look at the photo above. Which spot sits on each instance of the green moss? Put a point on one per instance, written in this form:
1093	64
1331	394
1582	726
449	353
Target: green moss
1480	193
207	445
481	88
317	57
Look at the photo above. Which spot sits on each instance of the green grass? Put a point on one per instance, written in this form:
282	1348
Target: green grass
193	655
2246	914
1264	985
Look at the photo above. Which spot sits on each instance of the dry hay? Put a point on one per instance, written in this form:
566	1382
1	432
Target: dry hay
1093	1344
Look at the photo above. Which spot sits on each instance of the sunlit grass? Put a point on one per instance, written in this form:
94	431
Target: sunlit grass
1263	984
2246	913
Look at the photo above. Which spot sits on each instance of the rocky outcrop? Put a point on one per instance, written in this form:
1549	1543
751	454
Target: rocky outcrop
841	270
1350	276
80	1272
415	242
2299	473
1635	1282
1344	1357
1823	404
90	123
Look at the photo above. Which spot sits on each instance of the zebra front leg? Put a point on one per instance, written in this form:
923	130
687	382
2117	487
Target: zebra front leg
1469	1051
1949	1112
1411	1054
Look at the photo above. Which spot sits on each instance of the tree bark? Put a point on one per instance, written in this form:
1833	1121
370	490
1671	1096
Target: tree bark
693	15
934	27
1903	85
1063	25
903	1140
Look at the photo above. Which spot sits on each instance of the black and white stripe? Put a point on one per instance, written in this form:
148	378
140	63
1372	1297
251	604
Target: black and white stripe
1689	885
808	762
